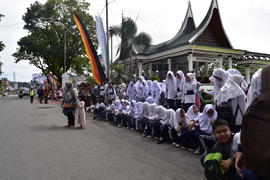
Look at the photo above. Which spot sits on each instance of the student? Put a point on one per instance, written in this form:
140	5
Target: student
186	139
218	79
140	89
144	116
80	113
170	84
101	93
164	134
232	94
156	91
110	110
204	125
137	115
179	87
227	146
148	89
127	121
152	114
162	99
122	90
179	127
244	85
99	110
110	92
189	90
158	120
131	92
133	112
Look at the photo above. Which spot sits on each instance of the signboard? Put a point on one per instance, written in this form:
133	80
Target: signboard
206	59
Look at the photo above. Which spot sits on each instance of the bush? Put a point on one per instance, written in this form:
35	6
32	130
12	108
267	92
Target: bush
153	77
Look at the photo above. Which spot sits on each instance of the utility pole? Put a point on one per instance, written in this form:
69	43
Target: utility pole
65	51
14	80
107	44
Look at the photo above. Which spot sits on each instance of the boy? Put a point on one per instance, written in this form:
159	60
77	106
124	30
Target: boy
227	146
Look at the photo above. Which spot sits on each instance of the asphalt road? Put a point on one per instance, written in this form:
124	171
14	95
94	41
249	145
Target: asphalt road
34	145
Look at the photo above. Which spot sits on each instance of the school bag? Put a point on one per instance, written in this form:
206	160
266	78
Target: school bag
225	112
212	166
255	131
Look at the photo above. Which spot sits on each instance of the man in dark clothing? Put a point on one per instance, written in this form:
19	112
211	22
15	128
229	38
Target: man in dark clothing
40	93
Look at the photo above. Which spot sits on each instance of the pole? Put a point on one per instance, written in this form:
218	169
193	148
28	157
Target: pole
107	45
65	50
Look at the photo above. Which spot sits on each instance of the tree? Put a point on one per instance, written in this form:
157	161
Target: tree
44	45
130	41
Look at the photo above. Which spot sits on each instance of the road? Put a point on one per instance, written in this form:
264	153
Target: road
34	145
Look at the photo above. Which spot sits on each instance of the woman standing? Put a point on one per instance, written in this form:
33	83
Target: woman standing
189	90
179	87
69	104
170	85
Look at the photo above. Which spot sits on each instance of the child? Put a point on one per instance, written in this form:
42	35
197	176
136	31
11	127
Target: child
227	146
81	113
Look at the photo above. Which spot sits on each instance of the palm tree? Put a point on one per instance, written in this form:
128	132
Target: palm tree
130	42
113	31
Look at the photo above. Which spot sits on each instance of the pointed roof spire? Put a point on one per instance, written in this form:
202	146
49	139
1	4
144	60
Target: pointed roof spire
188	25
212	17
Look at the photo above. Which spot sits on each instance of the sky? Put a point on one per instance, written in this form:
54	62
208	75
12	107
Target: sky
246	23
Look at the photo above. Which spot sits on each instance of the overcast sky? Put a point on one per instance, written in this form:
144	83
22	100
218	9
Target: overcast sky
246	22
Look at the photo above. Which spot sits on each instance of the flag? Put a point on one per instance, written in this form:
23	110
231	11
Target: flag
101	41
97	71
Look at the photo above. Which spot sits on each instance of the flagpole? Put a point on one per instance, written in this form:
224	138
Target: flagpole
65	50
107	44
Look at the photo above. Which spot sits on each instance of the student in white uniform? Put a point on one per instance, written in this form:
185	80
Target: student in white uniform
131	92
156	91
164	134
148	90
179	87
190	90
170	89
152	114
140	89
137	115
179	126
145	115
244	85
162	94
122	90
233	94
158	120
186	138
102	88
204	126
218	79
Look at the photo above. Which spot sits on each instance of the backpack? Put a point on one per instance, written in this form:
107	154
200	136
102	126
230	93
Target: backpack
212	166
255	131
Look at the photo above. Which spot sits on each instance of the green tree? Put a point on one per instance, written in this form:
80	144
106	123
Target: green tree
44	45
131	42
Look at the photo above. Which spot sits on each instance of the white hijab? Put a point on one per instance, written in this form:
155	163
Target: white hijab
170	82
117	104
255	87
231	89
190	115
244	84
139	108
150	100
170	117
179	83
205	121
156	86
192	78
131	88
162	86
220	73
152	110
146	109
160	112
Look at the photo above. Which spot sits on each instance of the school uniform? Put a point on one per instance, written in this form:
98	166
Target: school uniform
140	89
102	93
131	91
159	119
179	88
164	128
145	115
110	93
190	90
170	89
156	91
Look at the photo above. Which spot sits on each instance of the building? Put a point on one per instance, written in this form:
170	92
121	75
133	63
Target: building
195	49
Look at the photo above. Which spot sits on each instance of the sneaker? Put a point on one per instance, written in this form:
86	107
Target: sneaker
177	145
197	151
156	138
173	143
191	150
148	136
183	148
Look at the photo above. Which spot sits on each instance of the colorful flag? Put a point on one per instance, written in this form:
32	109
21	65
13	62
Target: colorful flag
97	71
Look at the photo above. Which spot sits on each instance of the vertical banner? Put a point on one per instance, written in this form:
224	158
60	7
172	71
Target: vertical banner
102	41
96	68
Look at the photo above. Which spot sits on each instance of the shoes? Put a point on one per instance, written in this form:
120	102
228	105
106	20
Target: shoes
183	148
191	150
197	151
160	141
156	138
177	145
173	143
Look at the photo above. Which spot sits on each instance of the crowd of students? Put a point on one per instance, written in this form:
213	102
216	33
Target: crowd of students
169	111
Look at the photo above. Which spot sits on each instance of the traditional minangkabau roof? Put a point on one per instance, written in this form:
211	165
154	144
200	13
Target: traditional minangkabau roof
187	27
210	32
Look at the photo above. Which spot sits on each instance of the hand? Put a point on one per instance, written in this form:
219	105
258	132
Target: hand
226	163
239	164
